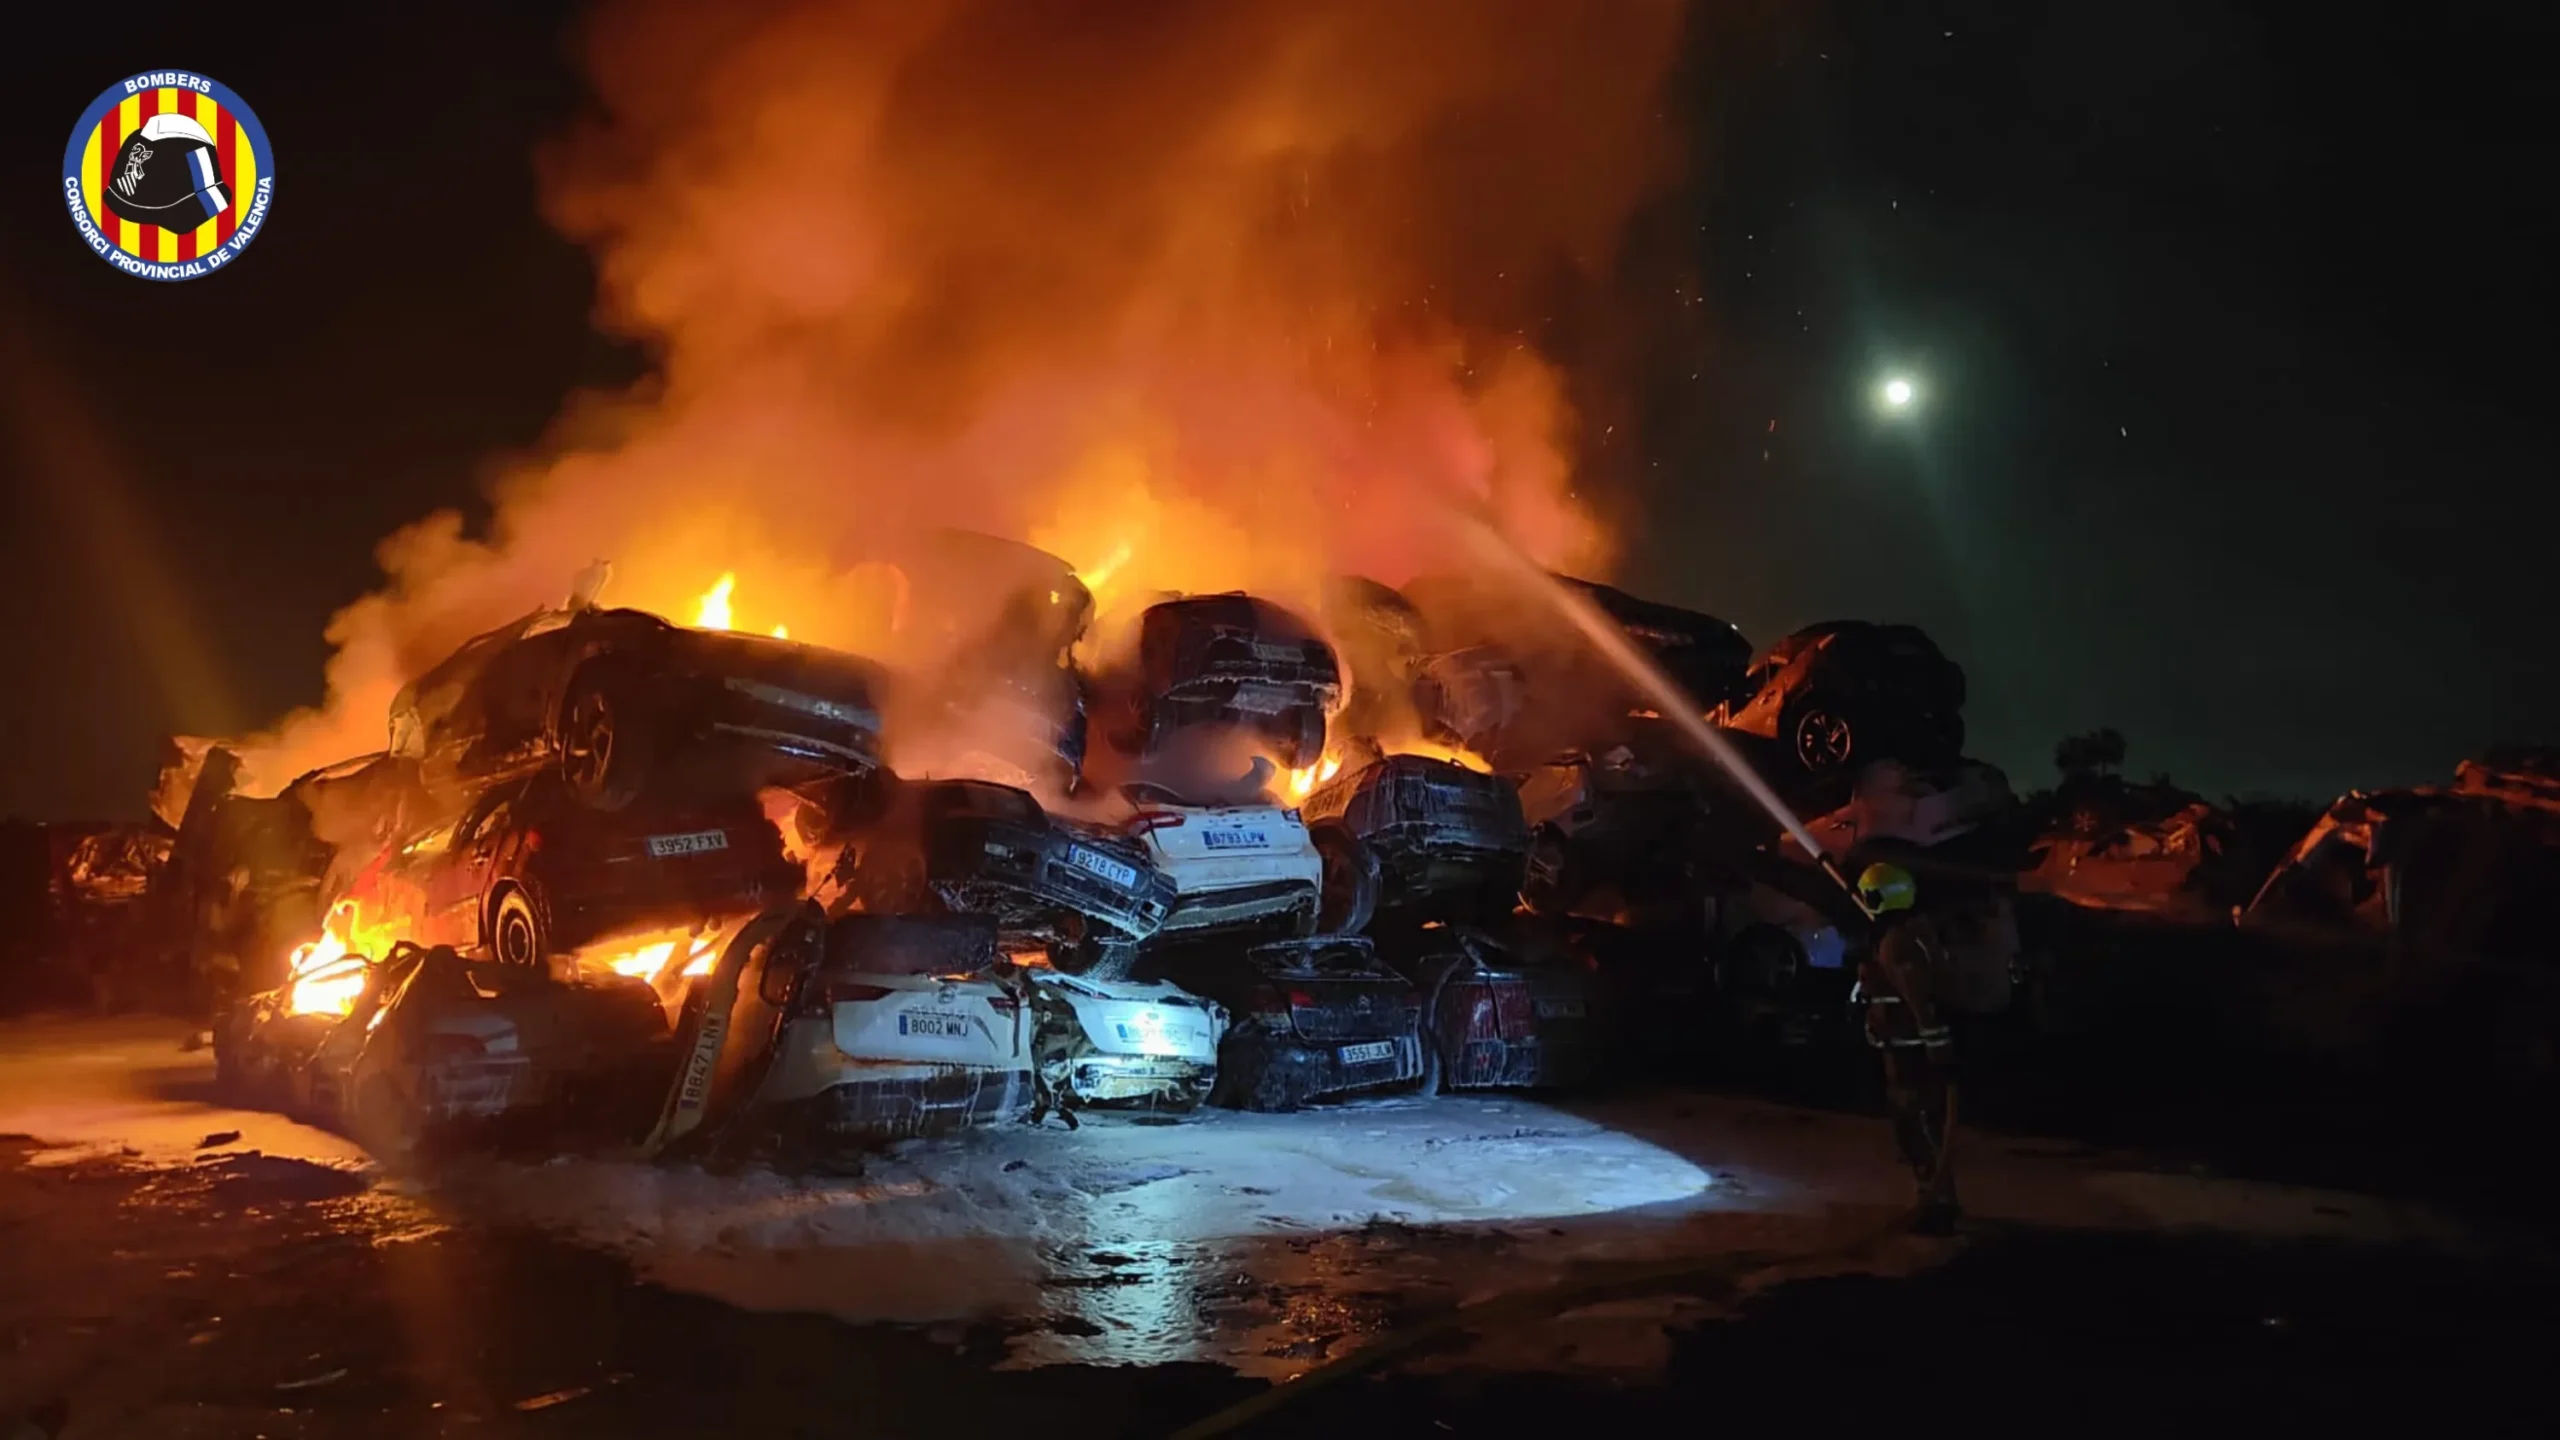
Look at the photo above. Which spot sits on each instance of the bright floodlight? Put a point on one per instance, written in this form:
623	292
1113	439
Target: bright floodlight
1897	393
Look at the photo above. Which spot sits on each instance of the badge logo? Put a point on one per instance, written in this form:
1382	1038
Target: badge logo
168	175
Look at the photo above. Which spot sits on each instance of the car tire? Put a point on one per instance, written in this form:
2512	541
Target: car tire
604	742
1306	744
518	931
1820	735
1352	880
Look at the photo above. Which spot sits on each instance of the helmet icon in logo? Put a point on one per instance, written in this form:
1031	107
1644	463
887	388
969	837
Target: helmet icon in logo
168	173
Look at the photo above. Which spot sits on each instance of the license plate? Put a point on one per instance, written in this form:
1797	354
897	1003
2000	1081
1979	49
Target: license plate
1124	876
1369	1054
933	1023
1559	1009
1236	839
699	842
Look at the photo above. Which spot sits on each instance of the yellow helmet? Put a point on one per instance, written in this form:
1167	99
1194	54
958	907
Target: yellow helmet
1883	887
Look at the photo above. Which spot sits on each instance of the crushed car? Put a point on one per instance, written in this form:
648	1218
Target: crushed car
847	1032
1121	1042
1233	867
1307	1019
1617	832
434	1050
1233	661
529	873
1450	842
1838	694
1083	891
1510	1008
618	701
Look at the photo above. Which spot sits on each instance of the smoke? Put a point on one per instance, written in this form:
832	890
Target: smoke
1230	294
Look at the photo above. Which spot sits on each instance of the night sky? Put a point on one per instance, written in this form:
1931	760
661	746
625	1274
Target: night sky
2233	328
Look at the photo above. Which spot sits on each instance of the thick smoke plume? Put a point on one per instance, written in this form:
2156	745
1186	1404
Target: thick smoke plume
1196	295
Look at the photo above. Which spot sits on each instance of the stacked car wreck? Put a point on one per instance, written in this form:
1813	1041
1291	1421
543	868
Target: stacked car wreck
685	889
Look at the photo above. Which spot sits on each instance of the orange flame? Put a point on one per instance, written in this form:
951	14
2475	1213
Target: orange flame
1306	778
711	612
326	975
647	959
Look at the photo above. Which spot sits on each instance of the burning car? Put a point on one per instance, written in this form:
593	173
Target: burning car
1145	1042
528	872
982	630
868	1028
1310	1018
1086	892
1502	1010
618	701
1235	661
1450	842
431	1048
1848	691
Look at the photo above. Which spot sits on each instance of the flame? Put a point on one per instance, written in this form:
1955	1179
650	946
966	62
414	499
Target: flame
781	632
647	959
1307	777
712	611
327	974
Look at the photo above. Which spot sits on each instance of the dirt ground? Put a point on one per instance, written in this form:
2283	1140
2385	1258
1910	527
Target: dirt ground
1728	1258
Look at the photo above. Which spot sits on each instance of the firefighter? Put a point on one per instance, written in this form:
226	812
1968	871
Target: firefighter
1898	980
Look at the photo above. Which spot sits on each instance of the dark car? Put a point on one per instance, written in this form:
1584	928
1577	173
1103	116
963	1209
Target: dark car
1231	660
528	872
1703	655
976	847
1307	1018
1512	677
1509	1008
618	701
1450	842
1836	695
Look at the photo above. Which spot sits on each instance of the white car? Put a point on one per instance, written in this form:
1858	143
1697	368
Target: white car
1232	866
1101	1041
901	1026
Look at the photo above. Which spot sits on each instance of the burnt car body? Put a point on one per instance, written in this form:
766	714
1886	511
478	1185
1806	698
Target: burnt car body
528	872
1235	661
2416	924
1841	693
982	631
977	847
1509	1009
1620	829
1306	1019
1450	842
439	1049
619	701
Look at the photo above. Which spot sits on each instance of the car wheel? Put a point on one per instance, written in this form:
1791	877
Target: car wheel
1352	880
517	933
1820	736
1305	743
604	746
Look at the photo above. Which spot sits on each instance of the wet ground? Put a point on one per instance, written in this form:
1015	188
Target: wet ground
169	1268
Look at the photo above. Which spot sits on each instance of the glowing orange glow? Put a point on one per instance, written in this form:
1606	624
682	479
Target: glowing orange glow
647	958
325	975
711	612
781	632
1306	778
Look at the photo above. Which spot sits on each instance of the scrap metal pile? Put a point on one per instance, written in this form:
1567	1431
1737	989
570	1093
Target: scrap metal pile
660	885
